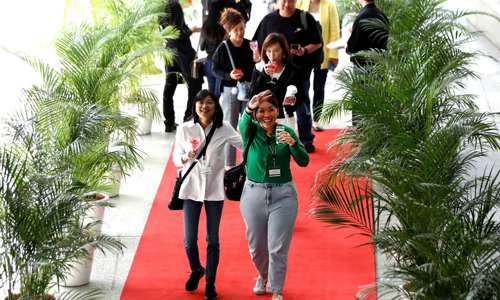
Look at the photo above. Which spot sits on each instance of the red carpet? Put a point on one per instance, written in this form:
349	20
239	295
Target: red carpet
323	263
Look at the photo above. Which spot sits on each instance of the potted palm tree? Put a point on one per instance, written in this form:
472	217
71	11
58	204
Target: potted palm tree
140	98
405	181
101	66
41	232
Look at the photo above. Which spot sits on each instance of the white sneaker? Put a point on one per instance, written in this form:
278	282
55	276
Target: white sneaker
277	297
260	286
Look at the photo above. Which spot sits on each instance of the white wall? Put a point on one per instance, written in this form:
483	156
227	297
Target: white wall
27	26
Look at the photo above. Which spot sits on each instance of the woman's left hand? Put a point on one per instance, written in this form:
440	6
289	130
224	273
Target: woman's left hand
285	137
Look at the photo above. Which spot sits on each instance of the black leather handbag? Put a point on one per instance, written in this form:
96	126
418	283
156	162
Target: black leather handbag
175	202
234	178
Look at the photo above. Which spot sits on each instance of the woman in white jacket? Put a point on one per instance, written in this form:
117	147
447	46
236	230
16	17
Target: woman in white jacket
204	184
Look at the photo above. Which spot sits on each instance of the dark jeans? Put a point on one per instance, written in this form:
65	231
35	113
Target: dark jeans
213	211
319	91
304	117
172	79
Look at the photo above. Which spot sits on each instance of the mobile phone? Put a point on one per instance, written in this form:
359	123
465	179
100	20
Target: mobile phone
294	46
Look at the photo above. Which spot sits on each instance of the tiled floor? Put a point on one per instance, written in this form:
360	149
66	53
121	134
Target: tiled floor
126	220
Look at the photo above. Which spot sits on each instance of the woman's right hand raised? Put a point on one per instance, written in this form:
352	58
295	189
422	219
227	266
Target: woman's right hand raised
254	102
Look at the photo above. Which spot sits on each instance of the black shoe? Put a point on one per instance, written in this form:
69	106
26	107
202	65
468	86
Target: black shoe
310	148
210	293
317	128
170	127
194	279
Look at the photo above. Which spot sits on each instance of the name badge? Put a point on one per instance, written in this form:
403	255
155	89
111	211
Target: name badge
205	170
274	172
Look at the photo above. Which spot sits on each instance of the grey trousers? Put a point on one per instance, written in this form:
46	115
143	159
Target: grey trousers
269	211
231	108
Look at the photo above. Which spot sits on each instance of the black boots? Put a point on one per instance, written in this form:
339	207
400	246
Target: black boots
210	293
194	279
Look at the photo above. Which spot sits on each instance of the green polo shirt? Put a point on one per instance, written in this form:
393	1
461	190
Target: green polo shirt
260	155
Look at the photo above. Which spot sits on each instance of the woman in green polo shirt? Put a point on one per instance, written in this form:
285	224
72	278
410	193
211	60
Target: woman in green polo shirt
269	199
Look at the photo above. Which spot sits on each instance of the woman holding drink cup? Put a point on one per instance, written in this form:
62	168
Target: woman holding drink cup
276	73
269	199
204	184
233	64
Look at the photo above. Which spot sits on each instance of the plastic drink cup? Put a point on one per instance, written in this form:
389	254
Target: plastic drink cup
279	129
195	143
272	67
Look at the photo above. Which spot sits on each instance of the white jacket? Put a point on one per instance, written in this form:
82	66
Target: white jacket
206	179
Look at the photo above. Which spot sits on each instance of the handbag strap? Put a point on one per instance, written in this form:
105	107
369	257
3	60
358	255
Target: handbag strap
229	53
202	152
197	48
250	140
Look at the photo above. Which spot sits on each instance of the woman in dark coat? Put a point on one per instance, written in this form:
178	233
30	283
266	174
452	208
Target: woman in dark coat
212	33
276	73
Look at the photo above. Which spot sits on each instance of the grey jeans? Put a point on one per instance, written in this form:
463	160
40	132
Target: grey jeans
231	108
269	211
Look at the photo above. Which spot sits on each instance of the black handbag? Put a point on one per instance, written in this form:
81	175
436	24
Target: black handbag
198	67
234	178
175	202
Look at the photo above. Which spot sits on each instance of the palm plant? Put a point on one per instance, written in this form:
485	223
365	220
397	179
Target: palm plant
416	138
97	68
41	224
138	26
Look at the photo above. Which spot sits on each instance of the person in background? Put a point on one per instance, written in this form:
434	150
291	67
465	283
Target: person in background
302	34
204	184
271	5
269	199
179	71
324	12
212	33
234	25
367	37
276	73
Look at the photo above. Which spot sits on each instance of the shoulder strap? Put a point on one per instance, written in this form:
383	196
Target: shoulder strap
303	19
202	152
229	53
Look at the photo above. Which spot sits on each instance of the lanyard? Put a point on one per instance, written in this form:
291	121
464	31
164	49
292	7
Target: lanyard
271	145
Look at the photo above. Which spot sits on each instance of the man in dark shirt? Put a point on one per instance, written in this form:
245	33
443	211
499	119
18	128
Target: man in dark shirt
367	36
304	38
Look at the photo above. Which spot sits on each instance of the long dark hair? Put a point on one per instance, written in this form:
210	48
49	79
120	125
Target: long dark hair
174	16
218	116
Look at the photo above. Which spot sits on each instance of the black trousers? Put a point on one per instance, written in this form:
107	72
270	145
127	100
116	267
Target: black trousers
173	78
